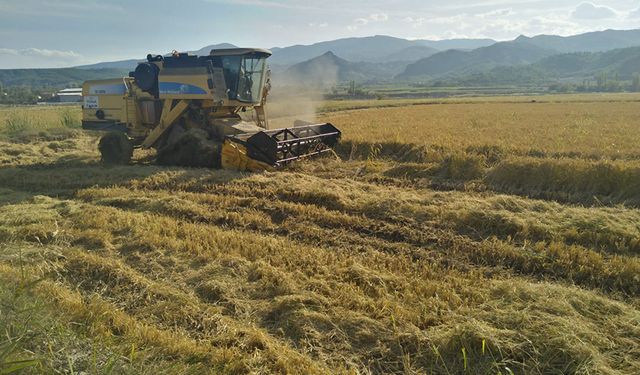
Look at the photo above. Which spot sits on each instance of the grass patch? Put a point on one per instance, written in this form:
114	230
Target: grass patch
37	124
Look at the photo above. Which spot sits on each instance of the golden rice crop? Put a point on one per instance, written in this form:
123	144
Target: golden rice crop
550	129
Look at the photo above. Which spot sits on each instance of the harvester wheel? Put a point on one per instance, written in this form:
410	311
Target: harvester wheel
115	148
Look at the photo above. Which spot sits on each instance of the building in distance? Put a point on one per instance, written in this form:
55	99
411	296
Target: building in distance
73	95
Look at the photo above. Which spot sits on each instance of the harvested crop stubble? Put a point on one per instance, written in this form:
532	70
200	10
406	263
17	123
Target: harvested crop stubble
399	258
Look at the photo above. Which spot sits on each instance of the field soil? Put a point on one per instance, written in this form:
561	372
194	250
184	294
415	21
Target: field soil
484	236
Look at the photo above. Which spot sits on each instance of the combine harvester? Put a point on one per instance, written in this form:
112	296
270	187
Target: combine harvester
188	109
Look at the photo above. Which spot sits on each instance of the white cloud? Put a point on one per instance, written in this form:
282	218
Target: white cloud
49	53
7	51
39	53
379	17
38	58
551	24
262	3
497	13
588	11
363	21
414	21
448	20
47	23
445	35
502	28
61	8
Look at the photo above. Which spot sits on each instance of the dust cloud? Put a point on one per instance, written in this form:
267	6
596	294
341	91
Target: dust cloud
299	91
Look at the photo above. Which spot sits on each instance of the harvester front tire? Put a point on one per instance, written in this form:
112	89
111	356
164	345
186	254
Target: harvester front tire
115	148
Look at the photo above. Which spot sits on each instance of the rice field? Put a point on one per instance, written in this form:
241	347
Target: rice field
480	236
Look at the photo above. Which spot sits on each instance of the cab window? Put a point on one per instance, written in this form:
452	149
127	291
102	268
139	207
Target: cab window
250	79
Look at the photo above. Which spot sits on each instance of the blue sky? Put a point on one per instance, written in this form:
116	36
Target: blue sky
56	33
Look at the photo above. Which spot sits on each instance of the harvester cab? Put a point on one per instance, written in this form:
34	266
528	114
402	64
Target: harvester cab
189	109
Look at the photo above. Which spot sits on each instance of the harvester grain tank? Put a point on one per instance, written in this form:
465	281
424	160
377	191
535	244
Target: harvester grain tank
198	111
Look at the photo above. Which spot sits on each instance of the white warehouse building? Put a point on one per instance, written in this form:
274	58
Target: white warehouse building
70	95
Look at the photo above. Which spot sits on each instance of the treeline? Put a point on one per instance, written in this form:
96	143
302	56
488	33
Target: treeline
25	95
528	76
55	78
29	86
603	82
503	75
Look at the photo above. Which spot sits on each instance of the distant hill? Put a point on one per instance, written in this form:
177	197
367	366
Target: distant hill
206	50
56	78
458	62
352	49
329	69
387	49
132	63
462	44
377	48
623	62
380	58
597	41
122	64
409	54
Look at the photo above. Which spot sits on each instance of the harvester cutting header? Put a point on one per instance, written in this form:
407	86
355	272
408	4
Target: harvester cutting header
188	109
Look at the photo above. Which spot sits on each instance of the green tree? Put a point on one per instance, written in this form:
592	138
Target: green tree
601	81
614	86
635	83
352	88
585	86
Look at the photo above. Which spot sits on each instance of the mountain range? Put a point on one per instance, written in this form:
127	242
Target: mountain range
597	41
377	48
541	57
383	58
504	53
329	69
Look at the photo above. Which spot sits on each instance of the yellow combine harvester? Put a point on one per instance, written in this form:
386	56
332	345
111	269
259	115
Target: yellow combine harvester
188	109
